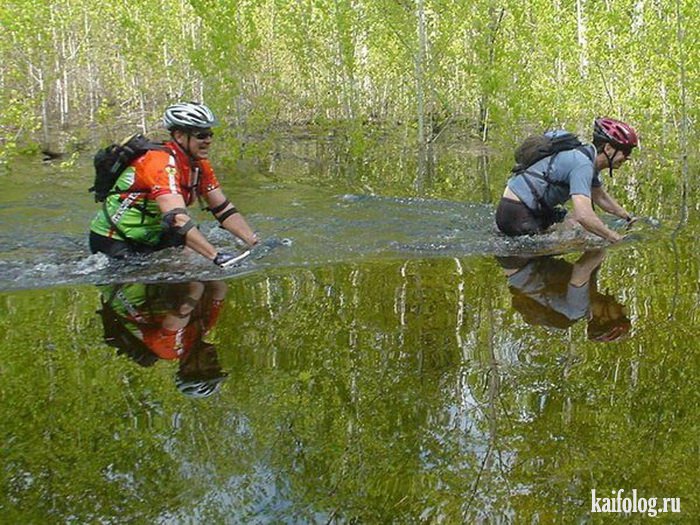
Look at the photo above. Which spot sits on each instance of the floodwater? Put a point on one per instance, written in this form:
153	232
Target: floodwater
384	357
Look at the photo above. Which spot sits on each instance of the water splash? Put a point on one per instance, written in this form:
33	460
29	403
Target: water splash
311	230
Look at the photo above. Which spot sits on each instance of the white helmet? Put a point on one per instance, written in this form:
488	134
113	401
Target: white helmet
188	115
199	388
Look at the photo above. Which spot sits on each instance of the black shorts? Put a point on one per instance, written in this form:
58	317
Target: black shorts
120	249
514	218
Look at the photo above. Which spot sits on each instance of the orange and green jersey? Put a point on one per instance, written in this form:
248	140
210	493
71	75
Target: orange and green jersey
134	210
141	309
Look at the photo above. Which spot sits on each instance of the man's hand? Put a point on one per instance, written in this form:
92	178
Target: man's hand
615	238
225	260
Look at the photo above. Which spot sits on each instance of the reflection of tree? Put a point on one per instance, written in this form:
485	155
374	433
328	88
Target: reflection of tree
383	404
381	392
598	417
372	366
76	444
601	424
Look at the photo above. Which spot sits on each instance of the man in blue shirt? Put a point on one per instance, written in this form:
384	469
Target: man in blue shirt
531	199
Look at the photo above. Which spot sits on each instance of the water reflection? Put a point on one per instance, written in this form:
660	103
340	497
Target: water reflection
553	292
167	321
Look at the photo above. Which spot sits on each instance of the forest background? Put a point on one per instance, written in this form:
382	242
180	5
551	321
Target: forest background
366	360
76	71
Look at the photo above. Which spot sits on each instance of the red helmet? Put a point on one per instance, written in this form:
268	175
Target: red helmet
614	131
610	332
609	321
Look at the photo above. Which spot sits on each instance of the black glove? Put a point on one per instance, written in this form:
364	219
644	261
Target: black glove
224	260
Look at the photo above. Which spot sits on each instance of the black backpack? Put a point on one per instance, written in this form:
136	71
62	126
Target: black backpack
117	335
537	147
111	161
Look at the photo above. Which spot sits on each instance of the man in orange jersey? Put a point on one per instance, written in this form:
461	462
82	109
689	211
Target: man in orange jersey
147	209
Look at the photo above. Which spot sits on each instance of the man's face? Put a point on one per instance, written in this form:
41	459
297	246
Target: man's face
619	156
196	142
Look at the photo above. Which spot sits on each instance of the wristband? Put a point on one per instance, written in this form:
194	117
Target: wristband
231	211
221	207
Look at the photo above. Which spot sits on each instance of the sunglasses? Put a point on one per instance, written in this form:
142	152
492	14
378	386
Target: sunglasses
203	135
626	150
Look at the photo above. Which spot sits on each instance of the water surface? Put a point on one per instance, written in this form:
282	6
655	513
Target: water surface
384	358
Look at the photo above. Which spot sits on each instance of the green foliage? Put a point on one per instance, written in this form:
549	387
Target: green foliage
484	64
399	391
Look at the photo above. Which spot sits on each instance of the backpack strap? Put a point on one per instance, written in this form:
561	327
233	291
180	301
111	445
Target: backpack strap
120	166
546	176
545	209
130	242
141	208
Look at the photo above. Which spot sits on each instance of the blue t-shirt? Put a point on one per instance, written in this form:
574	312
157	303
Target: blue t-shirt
573	170
573	303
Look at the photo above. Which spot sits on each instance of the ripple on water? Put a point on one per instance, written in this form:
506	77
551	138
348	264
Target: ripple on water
335	229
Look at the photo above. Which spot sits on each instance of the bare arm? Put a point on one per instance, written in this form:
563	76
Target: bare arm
194	238
607	203
586	217
584	267
180	317
234	223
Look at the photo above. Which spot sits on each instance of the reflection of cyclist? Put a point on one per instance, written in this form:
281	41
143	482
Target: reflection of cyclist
167	321
553	292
